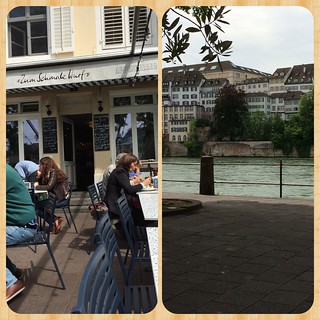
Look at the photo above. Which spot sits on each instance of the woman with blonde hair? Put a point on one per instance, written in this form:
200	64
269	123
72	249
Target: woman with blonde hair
51	178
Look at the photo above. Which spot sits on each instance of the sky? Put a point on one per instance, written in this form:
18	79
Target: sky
264	38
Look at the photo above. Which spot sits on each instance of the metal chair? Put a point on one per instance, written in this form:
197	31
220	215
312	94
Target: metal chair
99	292
100	190
137	242
137	298
105	235
94	196
65	205
42	235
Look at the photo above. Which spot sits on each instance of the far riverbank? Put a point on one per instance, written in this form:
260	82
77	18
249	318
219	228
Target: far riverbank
229	149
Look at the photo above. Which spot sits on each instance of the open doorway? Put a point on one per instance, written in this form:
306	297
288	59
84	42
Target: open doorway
83	141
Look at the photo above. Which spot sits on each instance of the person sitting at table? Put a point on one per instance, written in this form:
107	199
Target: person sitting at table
51	178
106	174
21	224
27	170
119	180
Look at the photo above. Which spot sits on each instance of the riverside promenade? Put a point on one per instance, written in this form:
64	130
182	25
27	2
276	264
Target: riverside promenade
238	255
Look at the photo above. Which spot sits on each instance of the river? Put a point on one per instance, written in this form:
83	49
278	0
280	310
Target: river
242	169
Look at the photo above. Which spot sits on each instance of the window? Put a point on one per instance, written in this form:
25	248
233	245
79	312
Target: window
122	101
144	99
119	26
22	132
27	31
29	107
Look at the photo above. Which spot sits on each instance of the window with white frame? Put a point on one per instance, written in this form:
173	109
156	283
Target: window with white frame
119	26
22	132
27	31
30	34
134	117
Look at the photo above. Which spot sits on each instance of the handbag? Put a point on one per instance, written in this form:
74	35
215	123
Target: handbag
98	209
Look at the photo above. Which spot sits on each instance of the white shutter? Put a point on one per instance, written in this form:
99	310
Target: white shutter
61	19
113	26
142	25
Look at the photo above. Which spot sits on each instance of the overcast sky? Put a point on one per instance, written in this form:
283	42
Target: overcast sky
264	38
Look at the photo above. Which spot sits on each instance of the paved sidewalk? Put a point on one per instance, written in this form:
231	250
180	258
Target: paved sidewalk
238	255
43	293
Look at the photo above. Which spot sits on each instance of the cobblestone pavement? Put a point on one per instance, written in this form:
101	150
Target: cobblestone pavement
238	255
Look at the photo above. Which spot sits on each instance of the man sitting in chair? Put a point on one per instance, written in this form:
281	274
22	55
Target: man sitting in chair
21	224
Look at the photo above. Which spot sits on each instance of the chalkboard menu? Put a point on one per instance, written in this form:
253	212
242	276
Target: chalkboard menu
49	134
101	132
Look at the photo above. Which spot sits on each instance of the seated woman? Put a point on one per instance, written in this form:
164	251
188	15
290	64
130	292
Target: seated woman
119	180
51	178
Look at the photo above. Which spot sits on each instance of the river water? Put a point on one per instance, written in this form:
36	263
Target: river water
238	169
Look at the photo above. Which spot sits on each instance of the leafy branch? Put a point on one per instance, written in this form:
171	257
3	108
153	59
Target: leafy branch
206	21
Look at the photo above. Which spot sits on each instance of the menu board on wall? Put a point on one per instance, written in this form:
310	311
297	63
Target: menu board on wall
101	132
49	134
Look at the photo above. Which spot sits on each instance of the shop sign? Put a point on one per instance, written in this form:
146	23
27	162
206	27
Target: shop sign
93	71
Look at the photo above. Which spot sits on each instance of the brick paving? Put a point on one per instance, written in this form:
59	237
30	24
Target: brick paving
238	255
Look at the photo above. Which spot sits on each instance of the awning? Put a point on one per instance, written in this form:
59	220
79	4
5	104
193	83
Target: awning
127	70
75	86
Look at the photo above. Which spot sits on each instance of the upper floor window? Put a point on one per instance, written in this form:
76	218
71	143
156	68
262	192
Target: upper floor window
119	26
27	31
34	31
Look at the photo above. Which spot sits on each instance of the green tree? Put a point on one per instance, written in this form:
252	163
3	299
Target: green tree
298	130
230	111
204	20
258	126
193	145
306	113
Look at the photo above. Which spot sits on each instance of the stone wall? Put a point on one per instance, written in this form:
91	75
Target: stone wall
229	149
175	149
242	149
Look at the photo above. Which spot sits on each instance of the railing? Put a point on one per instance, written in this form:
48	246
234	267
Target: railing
207	177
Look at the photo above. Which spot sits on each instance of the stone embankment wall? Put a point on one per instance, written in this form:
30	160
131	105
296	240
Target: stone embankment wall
229	149
242	149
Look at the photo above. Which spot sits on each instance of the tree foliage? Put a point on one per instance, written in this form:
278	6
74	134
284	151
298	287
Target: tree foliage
257	126
204	20
193	145
298	130
230	111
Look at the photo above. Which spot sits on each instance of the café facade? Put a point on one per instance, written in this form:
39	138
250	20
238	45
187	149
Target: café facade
83	107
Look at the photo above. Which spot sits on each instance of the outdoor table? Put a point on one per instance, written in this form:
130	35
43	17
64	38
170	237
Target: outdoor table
39	197
152	234
149	204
